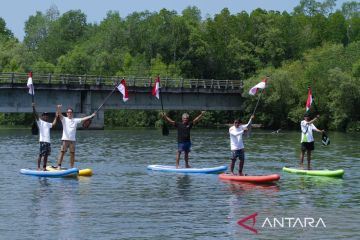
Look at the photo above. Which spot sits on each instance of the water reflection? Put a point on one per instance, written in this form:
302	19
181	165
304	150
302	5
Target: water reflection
183	184
310	182
237	187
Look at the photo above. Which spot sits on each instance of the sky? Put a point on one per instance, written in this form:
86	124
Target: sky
16	12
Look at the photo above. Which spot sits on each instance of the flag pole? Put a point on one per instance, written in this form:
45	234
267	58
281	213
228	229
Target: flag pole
257	102
259	98
34	126
32	95
107	97
165	129
86	123
313	101
161	101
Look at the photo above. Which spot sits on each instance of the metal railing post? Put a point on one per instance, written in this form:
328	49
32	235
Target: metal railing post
12	78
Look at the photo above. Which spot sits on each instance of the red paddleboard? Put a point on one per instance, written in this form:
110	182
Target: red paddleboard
255	179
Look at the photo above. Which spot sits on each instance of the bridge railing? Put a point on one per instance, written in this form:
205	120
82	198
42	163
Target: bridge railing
132	81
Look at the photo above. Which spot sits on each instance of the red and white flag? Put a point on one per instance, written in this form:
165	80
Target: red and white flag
30	84
123	89
309	99
156	88
260	85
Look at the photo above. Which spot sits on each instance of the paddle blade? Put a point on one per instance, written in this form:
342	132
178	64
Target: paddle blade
34	129
165	129
325	139
86	123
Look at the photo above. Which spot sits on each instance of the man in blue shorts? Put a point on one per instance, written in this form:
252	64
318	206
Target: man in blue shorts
183	136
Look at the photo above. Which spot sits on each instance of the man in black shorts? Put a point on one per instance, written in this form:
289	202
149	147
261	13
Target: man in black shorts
307	139
183	136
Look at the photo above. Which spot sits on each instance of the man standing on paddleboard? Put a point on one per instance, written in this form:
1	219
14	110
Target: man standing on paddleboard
44	136
236	144
69	124
307	139
183	136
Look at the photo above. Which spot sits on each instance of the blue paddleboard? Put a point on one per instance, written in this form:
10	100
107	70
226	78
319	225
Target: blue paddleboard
71	172
164	168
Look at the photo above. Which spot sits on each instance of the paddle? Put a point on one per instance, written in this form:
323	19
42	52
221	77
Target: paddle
34	126
325	140
86	123
156	93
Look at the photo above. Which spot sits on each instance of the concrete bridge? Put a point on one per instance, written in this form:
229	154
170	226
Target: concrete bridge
85	93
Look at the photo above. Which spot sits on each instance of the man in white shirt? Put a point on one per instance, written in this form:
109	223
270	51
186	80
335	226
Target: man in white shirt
68	138
307	139
236	144
44	136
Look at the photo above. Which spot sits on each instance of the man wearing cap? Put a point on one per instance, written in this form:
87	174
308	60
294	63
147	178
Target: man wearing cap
44	136
237	145
307	139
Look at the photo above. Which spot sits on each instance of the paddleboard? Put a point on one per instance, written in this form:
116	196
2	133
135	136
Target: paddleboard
71	172
326	173
254	179
164	168
87	172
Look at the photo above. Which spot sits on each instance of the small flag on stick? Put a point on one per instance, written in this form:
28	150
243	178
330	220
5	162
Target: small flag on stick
123	89
260	85
156	88
30	84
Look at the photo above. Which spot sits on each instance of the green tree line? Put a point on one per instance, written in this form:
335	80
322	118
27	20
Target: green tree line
315	45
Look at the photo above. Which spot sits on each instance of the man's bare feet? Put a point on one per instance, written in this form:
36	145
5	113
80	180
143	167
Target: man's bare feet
188	166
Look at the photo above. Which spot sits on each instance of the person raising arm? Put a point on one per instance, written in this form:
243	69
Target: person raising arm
183	136
68	138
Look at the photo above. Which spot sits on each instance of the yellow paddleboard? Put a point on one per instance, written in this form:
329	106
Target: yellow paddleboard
87	172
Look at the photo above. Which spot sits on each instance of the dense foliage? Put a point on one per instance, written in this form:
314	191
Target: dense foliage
314	45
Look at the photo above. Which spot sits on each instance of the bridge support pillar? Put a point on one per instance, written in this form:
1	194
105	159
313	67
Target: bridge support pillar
87	109
98	120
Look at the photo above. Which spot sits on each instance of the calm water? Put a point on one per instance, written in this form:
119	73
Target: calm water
123	200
